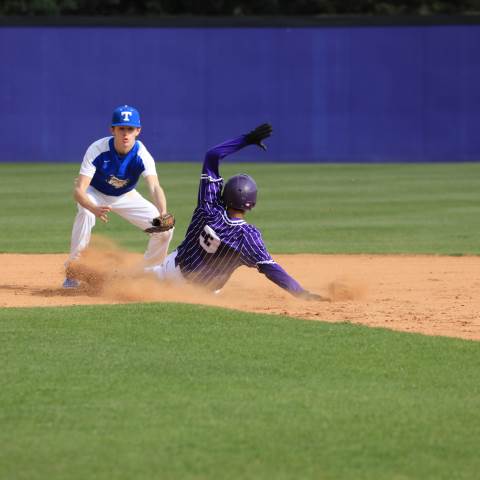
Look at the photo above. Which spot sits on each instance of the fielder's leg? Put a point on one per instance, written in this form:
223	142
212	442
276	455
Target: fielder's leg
81	234
83	224
140	212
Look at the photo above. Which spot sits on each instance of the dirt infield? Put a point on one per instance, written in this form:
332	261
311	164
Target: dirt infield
433	295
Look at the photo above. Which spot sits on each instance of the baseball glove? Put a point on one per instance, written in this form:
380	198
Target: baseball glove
162	223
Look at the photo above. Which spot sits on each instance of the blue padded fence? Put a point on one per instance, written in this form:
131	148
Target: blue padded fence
341	94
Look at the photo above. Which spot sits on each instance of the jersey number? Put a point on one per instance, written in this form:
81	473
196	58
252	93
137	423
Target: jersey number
209	239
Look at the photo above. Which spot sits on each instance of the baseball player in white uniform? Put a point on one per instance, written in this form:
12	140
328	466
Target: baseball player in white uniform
108	175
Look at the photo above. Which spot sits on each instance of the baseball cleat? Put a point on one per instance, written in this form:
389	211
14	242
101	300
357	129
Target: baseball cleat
71	283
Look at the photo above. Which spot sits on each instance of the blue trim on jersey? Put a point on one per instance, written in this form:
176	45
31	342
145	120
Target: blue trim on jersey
115	174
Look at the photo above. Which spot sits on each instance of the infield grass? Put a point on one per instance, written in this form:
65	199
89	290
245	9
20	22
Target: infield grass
182	392
311	208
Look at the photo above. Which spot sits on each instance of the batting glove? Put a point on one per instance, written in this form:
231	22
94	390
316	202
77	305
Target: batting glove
256	137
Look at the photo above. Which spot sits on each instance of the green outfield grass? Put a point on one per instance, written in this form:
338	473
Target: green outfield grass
175	391
395	208
182	392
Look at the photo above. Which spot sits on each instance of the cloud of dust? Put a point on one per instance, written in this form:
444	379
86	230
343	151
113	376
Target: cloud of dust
346	288
108	271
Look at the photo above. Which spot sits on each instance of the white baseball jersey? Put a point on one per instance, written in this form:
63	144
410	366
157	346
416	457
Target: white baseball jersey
113	174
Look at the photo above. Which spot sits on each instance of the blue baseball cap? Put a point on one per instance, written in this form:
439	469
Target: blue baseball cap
126	116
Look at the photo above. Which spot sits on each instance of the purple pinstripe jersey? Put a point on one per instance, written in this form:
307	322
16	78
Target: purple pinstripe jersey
215	245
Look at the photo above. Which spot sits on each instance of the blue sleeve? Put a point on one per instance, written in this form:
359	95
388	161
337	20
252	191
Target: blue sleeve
211	183
275	273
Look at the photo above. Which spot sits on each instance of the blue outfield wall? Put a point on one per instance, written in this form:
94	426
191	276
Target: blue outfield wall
339	94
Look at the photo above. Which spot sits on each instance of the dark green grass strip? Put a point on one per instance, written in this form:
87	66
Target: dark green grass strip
177	391
390	208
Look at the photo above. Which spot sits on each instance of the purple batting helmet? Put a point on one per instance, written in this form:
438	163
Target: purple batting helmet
240	192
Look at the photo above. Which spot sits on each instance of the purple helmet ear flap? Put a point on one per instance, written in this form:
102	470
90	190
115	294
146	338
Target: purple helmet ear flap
240	192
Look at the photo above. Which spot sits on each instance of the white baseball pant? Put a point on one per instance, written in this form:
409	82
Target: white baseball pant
167	270
132	207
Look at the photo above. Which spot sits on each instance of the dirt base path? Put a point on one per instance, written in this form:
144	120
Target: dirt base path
433	295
